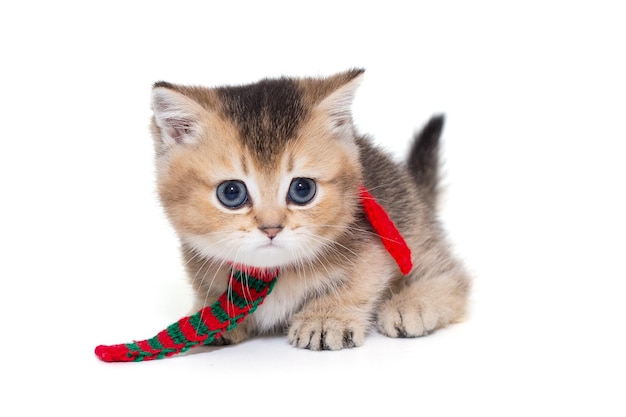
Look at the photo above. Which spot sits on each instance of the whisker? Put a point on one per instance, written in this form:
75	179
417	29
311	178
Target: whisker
351	228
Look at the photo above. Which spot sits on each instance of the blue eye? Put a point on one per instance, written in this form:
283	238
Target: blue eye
302	190
232	193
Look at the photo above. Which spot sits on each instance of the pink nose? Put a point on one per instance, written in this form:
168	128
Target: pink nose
271	231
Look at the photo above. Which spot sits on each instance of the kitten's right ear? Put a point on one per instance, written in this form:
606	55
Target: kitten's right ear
336	105
177	116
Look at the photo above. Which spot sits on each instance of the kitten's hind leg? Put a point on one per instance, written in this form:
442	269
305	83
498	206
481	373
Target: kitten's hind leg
430	300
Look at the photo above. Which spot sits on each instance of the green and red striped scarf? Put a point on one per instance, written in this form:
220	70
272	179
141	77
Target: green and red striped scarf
247	289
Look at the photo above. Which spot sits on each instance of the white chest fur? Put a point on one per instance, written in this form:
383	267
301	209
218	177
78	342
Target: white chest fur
292	289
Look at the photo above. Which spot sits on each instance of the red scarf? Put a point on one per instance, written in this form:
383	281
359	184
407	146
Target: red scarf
387	231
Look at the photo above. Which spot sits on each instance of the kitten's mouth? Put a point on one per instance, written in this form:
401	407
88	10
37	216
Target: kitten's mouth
270	244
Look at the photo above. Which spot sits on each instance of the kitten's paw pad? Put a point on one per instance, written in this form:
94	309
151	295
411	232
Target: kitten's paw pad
325	333
398	319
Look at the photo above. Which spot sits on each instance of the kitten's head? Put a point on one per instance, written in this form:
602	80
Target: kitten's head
265	174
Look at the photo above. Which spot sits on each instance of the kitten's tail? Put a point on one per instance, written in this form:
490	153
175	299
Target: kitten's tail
423	162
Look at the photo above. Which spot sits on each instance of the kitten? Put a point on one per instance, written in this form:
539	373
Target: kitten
268	174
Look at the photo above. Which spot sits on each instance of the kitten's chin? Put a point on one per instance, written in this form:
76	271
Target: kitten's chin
267	257
264	256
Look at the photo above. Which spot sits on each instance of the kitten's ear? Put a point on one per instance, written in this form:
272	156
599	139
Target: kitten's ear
178	117
337	105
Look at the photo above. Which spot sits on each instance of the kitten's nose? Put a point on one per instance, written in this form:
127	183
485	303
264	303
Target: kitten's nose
271	231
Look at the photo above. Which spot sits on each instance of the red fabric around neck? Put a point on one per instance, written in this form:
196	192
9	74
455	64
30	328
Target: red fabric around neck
386	230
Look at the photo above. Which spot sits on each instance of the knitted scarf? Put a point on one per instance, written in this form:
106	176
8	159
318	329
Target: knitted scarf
248	288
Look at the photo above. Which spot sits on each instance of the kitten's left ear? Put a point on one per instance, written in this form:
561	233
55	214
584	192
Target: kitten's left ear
337	105
178	117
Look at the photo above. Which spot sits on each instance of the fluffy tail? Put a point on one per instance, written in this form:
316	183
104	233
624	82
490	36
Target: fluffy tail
423	162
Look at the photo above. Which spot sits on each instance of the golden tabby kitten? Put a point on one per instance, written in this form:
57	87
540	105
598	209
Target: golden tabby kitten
268	175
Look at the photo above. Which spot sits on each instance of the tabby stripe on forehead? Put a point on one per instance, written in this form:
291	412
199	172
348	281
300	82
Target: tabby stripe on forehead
244	165
266	114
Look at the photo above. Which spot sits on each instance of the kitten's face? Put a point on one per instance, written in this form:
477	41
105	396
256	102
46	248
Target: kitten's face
256	177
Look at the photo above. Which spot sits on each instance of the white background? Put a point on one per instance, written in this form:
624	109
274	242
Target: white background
535	97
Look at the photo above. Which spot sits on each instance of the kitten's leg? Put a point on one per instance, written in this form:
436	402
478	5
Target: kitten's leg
434	295
342	316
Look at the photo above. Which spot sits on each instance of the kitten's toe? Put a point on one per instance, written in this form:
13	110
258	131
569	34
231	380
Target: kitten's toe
325	333
399	319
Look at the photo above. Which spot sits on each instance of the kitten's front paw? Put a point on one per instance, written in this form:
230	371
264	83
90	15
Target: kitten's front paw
406	321
399	318
325	332
423	308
